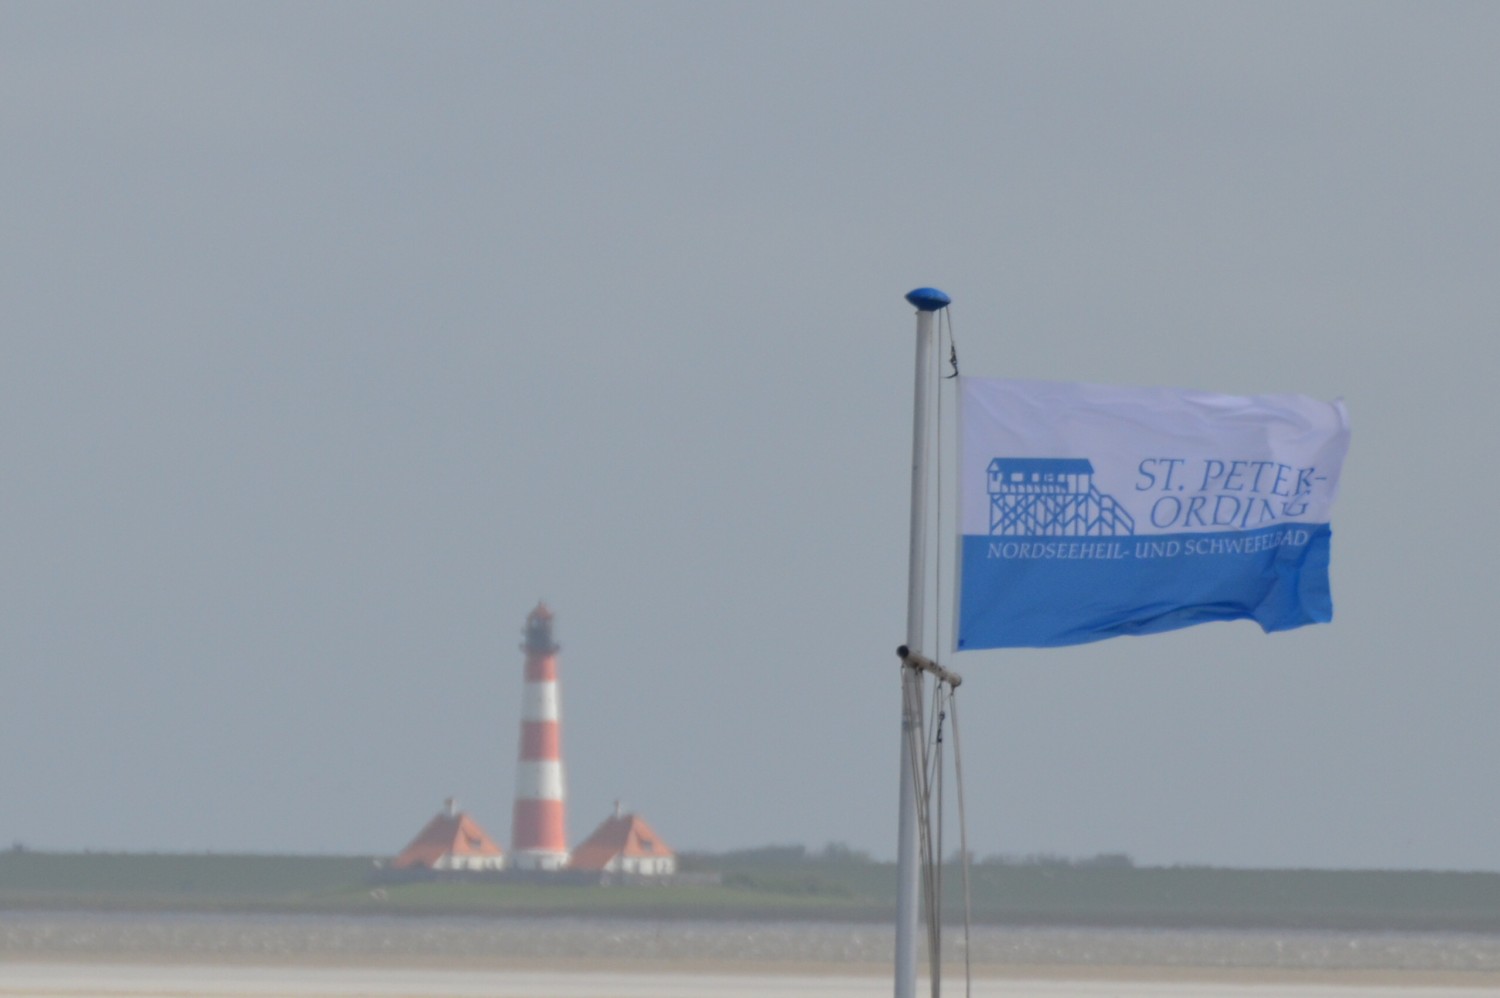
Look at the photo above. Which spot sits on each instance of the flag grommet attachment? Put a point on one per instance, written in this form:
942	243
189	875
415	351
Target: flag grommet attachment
928	299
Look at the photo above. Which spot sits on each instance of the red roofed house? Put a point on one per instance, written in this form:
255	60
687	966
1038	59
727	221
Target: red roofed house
451	841
624	844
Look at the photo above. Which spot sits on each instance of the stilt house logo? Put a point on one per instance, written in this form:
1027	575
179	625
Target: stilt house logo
1051	497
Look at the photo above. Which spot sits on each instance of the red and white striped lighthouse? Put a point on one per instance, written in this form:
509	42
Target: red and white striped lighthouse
539	838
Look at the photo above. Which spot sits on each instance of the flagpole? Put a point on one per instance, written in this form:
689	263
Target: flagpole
928	302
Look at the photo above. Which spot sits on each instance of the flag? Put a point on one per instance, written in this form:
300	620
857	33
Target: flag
1088	511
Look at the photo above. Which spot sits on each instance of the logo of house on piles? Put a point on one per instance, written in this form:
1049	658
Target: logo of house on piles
1051	497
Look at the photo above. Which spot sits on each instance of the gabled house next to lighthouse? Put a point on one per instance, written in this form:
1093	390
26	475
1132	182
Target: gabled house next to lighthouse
624	843
452	841
539	837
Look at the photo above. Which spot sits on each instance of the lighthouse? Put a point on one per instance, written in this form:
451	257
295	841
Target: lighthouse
539	839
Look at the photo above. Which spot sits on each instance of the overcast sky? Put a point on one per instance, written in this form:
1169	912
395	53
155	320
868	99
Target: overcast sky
337	335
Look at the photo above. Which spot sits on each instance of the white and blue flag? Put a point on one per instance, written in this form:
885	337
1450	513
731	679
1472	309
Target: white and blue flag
1090	511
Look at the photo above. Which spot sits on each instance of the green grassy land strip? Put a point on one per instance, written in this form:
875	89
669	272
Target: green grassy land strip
775	887
1186	896
666	900
160	874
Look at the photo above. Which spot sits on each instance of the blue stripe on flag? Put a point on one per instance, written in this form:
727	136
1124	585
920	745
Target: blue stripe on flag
1037	592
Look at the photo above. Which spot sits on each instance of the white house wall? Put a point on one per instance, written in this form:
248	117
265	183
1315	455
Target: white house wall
448	861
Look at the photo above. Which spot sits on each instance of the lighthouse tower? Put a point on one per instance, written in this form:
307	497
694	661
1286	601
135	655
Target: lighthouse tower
539	839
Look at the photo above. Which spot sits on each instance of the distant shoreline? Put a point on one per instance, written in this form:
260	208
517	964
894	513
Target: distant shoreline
761	887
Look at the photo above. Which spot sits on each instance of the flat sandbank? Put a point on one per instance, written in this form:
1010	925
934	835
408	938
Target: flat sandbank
137	980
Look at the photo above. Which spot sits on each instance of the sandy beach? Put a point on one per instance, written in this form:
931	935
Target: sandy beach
99	955
158	980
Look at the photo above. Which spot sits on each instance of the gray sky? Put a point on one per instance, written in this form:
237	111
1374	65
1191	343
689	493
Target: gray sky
336	335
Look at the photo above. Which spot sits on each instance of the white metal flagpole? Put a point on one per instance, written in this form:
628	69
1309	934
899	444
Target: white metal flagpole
928	302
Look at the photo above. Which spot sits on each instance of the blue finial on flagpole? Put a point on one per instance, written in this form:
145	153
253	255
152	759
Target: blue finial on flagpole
928	299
